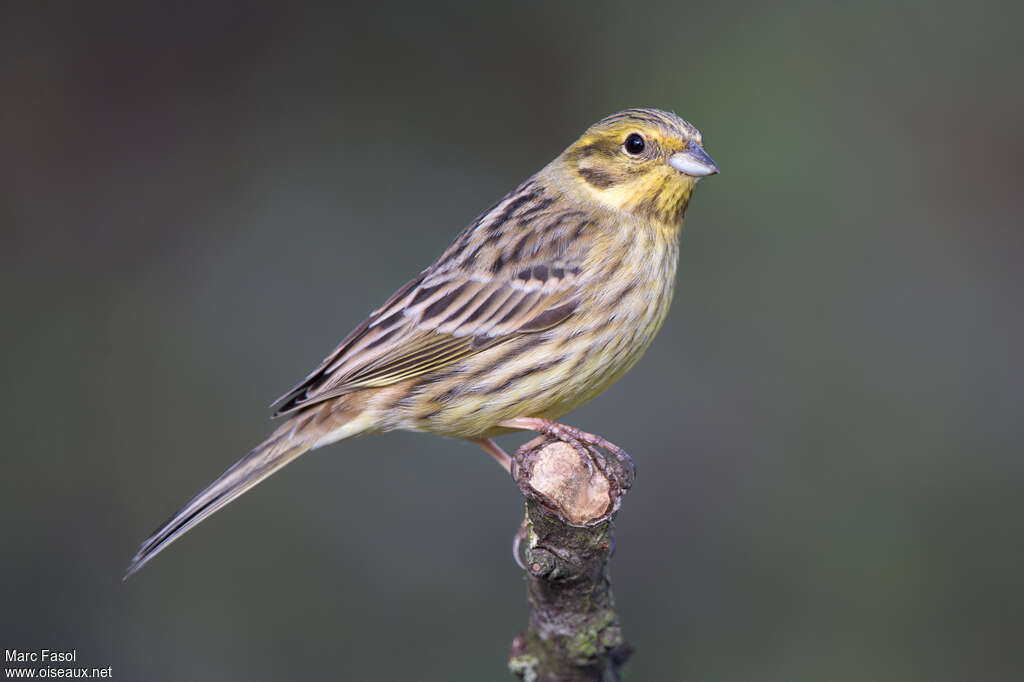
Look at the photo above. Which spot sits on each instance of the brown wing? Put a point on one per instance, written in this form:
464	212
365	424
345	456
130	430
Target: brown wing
436	320
514	270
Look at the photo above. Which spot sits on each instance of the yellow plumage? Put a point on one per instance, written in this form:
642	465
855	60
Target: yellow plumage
540	304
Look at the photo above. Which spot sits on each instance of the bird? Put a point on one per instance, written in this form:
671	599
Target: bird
541	303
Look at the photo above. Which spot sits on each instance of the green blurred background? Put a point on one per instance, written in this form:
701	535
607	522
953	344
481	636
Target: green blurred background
198	202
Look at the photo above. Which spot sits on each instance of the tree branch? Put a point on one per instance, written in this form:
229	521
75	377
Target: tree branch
572	493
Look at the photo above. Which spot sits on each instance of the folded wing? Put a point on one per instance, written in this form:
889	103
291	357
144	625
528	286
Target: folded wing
436	320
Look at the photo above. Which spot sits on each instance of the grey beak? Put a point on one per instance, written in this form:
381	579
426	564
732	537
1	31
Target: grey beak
694	162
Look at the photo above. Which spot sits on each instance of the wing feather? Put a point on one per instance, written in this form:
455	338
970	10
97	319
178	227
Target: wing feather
452	310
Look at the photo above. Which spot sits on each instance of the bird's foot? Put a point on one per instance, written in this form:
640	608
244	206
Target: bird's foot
625	469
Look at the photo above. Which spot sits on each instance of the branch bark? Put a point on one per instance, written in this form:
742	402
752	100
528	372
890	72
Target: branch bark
572	493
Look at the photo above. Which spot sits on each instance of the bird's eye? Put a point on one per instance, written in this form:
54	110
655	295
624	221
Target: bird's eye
634	144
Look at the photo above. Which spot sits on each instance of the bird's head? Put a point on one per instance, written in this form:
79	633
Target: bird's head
645	162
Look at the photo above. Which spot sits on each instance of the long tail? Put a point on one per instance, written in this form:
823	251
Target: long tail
282	447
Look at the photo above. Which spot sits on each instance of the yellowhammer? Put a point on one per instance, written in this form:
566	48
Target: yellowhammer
540	304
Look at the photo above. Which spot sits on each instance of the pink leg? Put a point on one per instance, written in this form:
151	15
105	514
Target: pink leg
550	428
516	542
505	462
495	451
575	436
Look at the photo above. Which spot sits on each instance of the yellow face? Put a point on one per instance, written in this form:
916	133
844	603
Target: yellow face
645	162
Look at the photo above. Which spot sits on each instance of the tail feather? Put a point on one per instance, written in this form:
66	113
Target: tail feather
261	462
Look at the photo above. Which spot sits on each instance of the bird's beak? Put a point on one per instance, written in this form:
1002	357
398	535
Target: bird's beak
693	162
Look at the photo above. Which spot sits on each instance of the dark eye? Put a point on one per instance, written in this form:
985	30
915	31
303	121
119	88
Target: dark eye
634	143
